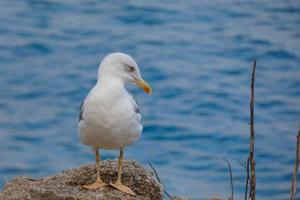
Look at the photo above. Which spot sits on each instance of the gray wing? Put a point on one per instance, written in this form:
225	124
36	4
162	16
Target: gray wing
134	102
135	106
81	110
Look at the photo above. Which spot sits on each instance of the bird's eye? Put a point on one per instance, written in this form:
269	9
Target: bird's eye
130	68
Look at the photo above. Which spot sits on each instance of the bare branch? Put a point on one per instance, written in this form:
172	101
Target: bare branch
252	134
231	181
157	177
240	162
247	179
295	174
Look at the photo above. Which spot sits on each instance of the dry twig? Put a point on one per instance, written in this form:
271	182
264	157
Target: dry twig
252	134
240	162
247	179
246	166
295	174
231	181
157	177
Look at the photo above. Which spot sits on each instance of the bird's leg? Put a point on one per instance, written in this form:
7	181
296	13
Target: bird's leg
98	183
118	184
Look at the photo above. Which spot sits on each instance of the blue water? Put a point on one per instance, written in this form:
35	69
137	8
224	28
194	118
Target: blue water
197	55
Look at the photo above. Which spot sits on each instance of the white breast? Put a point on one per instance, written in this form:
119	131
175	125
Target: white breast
109	119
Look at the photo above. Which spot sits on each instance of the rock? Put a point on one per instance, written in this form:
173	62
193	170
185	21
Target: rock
67	184
181	198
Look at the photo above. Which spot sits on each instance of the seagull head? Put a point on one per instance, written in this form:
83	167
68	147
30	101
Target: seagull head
122	66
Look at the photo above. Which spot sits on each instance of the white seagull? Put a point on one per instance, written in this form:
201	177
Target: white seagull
109	116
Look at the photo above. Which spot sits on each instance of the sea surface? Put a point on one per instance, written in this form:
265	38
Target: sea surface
197	55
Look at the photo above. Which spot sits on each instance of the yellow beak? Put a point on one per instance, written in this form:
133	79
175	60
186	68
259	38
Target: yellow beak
144	85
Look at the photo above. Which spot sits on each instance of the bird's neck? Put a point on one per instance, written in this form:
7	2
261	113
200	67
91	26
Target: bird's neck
111	82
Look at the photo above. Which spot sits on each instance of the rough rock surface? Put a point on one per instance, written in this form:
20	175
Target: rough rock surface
67	184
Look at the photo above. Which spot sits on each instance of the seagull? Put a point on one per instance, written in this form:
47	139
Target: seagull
109	116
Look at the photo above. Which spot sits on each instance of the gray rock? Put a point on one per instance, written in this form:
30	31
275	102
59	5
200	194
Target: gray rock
67	184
